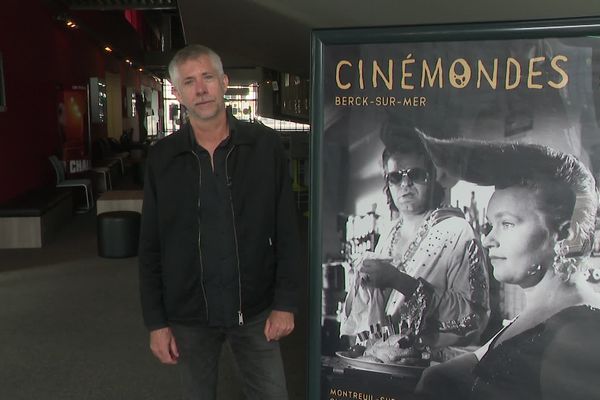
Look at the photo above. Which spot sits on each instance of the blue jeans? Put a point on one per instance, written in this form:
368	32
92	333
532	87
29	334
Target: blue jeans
259	361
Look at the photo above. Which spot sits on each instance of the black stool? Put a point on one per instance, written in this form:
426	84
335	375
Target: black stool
118	234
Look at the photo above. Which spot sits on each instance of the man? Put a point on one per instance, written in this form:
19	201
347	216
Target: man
219	244
428	267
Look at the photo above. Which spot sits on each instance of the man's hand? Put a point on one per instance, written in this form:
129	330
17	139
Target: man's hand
379	273
163	346
382	274
278	325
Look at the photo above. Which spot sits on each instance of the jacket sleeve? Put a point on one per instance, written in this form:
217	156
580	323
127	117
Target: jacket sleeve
287	239
460	310
150	268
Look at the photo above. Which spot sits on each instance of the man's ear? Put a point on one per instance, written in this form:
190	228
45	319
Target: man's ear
225	82
176	93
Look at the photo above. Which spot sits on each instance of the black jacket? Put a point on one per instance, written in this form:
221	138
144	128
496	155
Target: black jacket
171	271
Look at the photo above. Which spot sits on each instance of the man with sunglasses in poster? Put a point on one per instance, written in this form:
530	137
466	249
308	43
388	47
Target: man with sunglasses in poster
426	284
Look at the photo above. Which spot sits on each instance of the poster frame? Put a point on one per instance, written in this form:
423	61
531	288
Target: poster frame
321	39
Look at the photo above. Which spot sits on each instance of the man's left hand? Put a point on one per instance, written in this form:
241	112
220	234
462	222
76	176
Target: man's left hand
278	325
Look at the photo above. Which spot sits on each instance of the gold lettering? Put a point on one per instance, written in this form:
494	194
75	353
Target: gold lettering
533	73
460	80
378	72
517	67
562	72
349	73
493	80
405	73
437	74
343	86
361	80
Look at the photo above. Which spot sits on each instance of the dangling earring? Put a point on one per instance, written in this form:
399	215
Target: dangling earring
591	275
534	270
563	267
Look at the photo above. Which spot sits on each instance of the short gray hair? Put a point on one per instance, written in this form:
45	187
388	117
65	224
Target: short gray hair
193	52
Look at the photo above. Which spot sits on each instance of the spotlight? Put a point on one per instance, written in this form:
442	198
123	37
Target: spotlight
64	18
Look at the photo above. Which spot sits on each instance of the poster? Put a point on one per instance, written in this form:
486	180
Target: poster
73	130
534	83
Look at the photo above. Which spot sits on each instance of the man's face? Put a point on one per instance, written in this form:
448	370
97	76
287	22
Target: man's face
200	87
409	196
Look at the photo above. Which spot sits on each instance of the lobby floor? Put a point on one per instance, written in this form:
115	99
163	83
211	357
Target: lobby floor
71	328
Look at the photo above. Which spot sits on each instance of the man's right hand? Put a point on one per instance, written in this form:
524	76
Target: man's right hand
163	346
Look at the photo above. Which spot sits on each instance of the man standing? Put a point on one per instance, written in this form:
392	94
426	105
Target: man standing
219	243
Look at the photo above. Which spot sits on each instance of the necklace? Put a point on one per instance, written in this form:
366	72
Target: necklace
414	245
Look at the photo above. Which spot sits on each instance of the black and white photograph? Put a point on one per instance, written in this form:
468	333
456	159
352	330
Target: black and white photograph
456	215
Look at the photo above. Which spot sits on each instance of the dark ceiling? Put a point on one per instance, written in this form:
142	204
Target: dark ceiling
275	34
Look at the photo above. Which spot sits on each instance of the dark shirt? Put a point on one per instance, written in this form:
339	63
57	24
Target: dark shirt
217	243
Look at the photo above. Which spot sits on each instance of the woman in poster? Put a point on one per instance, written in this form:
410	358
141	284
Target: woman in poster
541	225
427	279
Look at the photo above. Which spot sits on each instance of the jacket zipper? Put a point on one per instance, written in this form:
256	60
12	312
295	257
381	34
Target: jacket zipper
200	234
237	253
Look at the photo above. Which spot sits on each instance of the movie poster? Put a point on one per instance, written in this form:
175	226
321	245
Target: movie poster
379	332
73	129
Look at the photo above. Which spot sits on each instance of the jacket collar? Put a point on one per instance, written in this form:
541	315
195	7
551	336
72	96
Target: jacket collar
238	131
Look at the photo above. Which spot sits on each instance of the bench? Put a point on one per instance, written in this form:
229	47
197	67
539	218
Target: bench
29	220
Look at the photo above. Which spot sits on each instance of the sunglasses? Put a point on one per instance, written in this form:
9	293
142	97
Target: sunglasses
414	175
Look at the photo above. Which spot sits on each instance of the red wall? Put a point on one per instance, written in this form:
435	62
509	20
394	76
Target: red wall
41	56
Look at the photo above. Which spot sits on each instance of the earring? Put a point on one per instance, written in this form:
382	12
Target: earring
591	275
563	267
534	270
